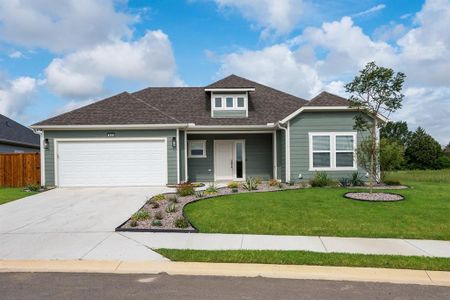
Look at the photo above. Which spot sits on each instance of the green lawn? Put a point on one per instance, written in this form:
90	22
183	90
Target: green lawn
325	212
11	194
309	258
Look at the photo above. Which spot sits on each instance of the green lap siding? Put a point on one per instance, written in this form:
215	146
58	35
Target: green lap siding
258	153
281	155
182	152
304	123
61	134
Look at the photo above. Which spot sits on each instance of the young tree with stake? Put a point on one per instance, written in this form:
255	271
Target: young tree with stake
375	91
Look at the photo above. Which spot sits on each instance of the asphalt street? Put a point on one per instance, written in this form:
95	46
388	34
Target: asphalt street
113	286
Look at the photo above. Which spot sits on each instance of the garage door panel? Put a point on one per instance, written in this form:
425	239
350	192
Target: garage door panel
112	163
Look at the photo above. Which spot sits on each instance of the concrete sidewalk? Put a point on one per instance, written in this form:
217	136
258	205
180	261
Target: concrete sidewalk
204	241
237	270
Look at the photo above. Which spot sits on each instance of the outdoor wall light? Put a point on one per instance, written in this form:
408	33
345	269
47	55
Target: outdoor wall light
110	134
46	144
300	176
174	142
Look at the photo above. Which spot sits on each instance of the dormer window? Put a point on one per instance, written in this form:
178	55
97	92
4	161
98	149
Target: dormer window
229	105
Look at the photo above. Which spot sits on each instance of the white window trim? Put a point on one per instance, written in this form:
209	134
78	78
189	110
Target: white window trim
197	156
332	151
224	102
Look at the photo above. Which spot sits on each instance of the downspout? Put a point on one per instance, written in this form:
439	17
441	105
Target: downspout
287	151
42	154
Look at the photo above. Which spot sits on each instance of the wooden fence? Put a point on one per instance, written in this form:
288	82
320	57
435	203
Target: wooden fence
19	169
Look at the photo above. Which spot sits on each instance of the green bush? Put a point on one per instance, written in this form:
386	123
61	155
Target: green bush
211	189
345	182
33	187
157	223
154	204
355	180
444	161
233	184
171	208
423	151
250	184
185	189
199	194
258	180
321	179
181	223
234	190
140	215
159	197
391	182
392	155
133	223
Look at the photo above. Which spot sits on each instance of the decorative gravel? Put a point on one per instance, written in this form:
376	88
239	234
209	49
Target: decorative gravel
168	219
383	197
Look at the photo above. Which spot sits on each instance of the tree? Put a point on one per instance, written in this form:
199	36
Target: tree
391	155
423	151
396	131
376	90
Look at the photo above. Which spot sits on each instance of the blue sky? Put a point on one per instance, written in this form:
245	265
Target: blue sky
56	57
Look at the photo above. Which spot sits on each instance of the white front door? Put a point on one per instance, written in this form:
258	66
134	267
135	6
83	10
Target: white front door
229	159
223	159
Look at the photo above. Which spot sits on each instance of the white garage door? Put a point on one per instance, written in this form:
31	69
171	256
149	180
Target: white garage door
112	163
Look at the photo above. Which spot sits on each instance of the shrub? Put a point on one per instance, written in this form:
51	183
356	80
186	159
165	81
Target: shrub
423	151
345	182
158	215
199	194
140	215
185	189
391	182
250	184
258	180
211	189
159	197
273	182
234	190
356	180
444	161
133	223
321	179
280	185
233	184
181	223
171	208
154	204
172	198
156	223
291	182
33	187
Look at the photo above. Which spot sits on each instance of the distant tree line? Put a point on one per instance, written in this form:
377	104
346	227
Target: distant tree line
401	148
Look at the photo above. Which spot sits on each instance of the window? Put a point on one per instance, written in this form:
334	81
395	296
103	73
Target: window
332	151
218	102
197	148
229	102
240	102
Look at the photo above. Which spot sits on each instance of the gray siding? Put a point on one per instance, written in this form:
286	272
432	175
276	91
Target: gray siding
317	122
229	114
7	148
181	147
51	135
281	155
258	153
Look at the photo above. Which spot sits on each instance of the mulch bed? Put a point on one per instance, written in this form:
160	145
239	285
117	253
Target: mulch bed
374	197
169	218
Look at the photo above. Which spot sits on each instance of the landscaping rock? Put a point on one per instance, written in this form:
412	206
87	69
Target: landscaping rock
383	197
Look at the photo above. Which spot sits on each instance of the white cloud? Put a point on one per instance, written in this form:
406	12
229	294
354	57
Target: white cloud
61	25
15	95
325	57
16	54
274	66
82	74
273	16
369	11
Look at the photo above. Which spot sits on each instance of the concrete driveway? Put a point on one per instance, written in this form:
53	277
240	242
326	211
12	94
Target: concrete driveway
74	223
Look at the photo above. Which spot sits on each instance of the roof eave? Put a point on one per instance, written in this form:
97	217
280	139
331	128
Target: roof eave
229	89
116	126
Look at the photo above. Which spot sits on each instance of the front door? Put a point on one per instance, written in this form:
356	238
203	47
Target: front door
229	160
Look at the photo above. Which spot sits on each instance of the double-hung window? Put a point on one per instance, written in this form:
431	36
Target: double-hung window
197	148
332	151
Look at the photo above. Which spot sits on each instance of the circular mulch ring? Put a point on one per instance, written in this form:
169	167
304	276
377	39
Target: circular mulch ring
375	197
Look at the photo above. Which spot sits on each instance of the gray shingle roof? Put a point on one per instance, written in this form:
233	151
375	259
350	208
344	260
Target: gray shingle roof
181	105
328	99
12	132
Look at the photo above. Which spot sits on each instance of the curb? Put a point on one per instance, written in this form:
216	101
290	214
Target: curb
398	276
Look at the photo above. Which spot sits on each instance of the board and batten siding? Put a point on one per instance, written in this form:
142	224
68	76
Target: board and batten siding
258	154
81	134
229	113
304	123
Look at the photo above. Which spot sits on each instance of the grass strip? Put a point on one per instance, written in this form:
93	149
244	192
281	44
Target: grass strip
308	258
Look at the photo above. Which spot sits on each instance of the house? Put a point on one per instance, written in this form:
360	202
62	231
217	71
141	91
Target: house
229	130
16	138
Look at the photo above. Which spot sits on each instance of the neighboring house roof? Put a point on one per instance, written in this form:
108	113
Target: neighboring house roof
166	105
327	99
12	132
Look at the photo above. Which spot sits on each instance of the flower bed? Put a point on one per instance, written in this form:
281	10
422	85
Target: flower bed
164	212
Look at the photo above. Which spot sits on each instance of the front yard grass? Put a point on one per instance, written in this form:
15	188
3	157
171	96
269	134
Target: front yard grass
325	212
11	194
309	258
